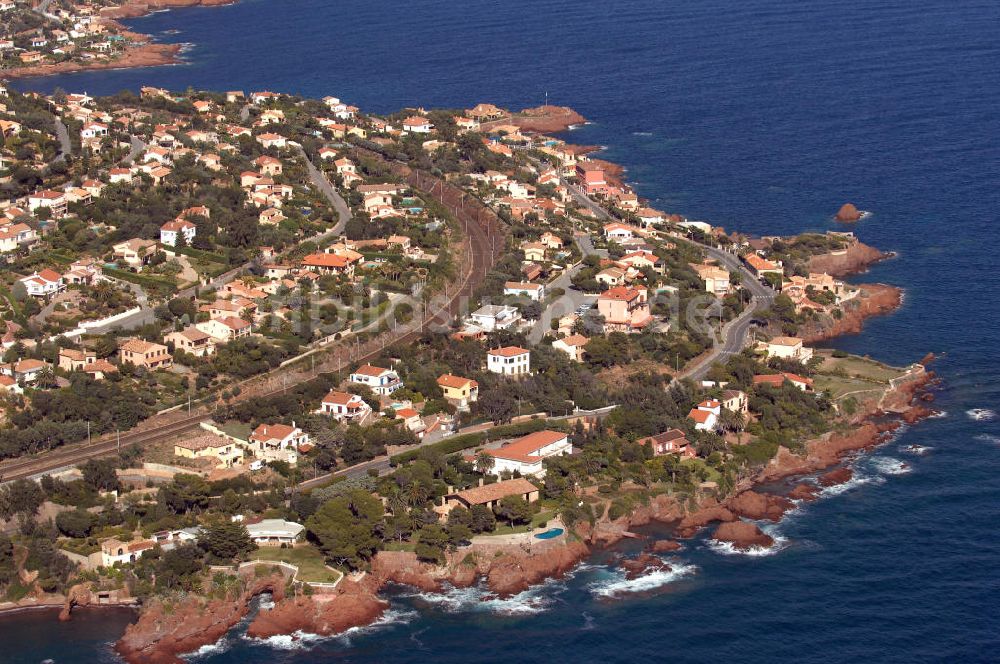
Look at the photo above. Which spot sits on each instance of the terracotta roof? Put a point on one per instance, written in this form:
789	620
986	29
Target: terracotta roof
203	442
369	370
325	260
525	448
785	341
509	351
457	382
267	432
489	493
576	340
623	293
341	398
700	416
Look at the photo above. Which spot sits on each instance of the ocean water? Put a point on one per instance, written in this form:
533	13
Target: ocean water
760	115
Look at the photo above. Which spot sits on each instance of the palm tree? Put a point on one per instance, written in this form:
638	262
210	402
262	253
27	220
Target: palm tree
485	462
733	421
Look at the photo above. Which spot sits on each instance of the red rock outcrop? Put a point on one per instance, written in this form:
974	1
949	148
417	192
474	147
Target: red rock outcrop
665	546
694	522
166	630
78	595
873	300
742	535
512	573
855	258
803	492
351	605
836	476
753	505
546	119
134	9
848	212
644	564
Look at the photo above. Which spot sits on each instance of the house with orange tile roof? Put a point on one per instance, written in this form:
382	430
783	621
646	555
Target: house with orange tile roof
509	361
490	495
761	266
170	231
115	552
141	353
625	309
573	345
777	380
44	283
344	406
458	390
279	437
525	455
789	348
671	441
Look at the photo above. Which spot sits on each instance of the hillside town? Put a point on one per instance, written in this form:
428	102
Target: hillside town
422	332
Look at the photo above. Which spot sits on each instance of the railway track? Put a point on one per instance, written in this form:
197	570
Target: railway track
484	248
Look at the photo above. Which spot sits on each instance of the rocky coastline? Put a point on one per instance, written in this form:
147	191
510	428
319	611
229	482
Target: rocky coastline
873	300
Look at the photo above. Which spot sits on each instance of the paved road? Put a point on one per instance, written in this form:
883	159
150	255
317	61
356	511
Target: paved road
327	189
137	148
735	332
65	146
572	299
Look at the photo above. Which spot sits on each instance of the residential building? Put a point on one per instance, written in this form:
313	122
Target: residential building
44	283
715	278
381	381
573	345
141	353
114	551
275	532
525	455
135	252
671	441
274	437
492	317
170	230
534	292
624	309
344	406
490	495
509	361
459	391
193	341
777	380
225	329
71	359
210	446
790	348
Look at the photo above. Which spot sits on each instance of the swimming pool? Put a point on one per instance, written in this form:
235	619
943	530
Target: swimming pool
549	534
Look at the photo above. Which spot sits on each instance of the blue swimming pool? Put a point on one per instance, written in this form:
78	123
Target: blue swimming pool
550	533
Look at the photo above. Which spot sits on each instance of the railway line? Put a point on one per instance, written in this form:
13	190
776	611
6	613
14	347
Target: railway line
484	237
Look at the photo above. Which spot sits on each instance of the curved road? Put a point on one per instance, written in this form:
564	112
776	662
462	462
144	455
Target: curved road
735	331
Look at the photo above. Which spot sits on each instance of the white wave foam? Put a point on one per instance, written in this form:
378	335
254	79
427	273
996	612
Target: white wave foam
388	619
890	466
642	133
220	646
618	584
937	414
859	479
480	599
919	450
989	438
981	414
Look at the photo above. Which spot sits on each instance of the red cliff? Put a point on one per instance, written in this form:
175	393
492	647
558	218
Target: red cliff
873	300
742	535
856	257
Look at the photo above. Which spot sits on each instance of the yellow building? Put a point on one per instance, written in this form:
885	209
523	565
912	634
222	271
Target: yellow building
459	391
210	446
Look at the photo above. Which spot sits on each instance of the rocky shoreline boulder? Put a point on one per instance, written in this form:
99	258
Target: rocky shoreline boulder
742	535
645	564
753	505
848	212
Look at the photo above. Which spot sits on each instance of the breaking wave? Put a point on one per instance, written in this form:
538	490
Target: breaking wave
981	414
617	584
989	438
890	466
480	599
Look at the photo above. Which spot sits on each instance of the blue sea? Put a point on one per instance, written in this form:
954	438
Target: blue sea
760	115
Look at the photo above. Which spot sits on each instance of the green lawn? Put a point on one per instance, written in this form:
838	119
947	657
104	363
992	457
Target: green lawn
857	367
536	522
311	564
